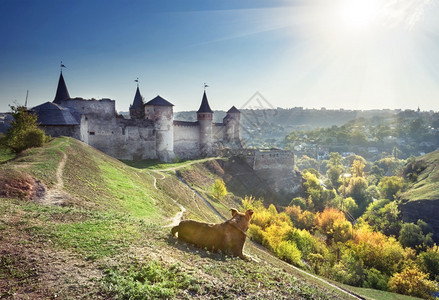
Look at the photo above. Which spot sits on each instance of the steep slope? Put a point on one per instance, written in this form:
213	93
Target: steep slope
75	223
421	200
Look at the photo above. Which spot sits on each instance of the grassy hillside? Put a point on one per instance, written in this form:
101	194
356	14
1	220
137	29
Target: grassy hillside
426	183
75	223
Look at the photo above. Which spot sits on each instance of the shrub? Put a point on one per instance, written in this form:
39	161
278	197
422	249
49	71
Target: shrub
274	235
255	233
429	262
390	186
288	252
374	279
219	189
412	282
298	201
24	132
411	235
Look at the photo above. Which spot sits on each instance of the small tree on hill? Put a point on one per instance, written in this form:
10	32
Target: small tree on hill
219	189
24	132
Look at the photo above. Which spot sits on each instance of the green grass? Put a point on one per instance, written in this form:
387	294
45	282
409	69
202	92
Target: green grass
147	281
6	154
105	236
427	185
377	294
152	164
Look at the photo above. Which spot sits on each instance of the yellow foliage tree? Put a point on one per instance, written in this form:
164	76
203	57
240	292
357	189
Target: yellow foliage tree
219	189
412	282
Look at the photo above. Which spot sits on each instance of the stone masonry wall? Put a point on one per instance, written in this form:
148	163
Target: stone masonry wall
186	141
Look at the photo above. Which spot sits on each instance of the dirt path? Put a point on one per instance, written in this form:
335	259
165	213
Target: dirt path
56	195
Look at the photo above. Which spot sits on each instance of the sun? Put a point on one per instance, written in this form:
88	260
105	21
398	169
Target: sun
358	15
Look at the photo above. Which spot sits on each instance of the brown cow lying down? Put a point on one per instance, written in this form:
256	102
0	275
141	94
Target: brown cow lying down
228	237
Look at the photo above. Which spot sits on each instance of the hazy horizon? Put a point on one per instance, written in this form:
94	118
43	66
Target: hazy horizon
342	54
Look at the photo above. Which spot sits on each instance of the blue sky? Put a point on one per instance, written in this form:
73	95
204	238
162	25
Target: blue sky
352	54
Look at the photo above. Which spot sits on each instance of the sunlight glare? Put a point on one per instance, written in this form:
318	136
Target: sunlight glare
358	15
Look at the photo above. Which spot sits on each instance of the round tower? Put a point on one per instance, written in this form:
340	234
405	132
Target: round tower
232	121
205	117
161	113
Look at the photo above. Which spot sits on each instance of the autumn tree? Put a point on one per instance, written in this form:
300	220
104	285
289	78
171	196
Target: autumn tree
412	282
219	189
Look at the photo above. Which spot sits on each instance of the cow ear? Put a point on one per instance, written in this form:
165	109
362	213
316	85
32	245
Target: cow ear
234	212
249	213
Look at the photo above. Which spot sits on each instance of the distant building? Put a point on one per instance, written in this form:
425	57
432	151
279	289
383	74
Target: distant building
150	133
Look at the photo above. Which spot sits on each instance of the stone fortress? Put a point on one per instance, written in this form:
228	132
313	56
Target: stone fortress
150	133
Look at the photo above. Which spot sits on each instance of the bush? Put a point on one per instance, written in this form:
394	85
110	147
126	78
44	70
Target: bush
288	252
412	235
374	279
219	189
412	282
298	201
429	262
255	233
24	132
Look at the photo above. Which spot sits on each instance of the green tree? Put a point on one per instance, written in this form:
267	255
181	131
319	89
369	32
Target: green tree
335	160
219	189
333	175
24	132
389	187
357	189
412	235
384	216
429	262
357	168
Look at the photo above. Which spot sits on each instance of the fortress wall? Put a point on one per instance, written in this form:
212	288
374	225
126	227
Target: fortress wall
273	159
186	141
123	139
218	133
103	108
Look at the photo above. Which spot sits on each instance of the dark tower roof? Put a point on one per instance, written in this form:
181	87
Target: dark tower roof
204	107
50	113
233	110
138	100
159	101
61	92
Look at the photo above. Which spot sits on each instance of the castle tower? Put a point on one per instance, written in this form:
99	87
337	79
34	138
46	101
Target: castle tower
232	121
160	111
205	117
137	110
61	92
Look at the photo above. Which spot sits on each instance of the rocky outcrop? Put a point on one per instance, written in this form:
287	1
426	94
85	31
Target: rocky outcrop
276	183
426	210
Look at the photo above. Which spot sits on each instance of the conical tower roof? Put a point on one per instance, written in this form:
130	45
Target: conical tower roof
61	92
138	100
233	110
204	107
